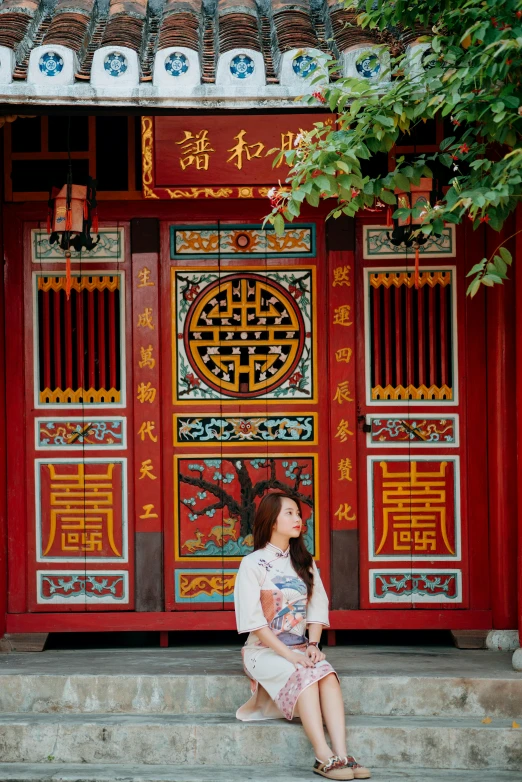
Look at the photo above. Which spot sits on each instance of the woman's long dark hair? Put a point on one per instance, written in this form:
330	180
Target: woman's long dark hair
264	521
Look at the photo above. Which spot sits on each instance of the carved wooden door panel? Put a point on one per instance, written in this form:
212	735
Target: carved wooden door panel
414	372
77	520
242	381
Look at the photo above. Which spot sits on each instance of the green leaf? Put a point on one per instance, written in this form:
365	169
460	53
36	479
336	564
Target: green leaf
506	256
279	225
345	180
323	183
388	197
500	266
473	287
386	121
333	98
293	207
446	142
401	181
477	268
313	198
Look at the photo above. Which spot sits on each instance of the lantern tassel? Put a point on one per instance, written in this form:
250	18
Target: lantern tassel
68	280
389	223
417	274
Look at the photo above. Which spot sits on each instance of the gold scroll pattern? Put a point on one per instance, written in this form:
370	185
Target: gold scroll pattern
199	584
146	157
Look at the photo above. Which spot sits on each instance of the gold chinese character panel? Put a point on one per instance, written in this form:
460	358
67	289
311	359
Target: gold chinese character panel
415	513
81	510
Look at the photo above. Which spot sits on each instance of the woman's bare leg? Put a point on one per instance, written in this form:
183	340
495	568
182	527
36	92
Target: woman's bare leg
332	708
309	707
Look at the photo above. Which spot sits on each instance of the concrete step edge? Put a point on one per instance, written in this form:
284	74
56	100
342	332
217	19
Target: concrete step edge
228	720
53	772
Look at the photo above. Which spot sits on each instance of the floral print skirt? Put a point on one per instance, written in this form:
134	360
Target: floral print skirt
275	683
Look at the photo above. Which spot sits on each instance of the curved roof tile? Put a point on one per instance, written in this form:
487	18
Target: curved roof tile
209	27
238	25
125	24
70	27
15	18
181	24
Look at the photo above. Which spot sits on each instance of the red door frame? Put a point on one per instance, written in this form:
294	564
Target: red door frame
17	620
3	444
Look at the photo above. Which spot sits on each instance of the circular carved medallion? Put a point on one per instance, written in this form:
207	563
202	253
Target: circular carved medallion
51	64
244	335
368	65
176	64
115	64
242	66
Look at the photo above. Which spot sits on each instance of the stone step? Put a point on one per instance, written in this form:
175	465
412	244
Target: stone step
382	742
52	772
194	681
366	695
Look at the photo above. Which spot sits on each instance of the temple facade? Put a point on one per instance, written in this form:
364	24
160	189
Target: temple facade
193	360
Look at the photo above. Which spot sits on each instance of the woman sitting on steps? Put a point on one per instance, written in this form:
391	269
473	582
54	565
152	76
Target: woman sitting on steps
278	594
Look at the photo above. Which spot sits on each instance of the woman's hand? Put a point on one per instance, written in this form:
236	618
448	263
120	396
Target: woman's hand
296	658
315	654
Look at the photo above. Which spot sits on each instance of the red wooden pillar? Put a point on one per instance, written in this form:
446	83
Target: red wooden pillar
518	286
502	446
3	449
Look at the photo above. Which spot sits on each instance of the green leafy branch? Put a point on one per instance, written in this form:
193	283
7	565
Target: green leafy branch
469	77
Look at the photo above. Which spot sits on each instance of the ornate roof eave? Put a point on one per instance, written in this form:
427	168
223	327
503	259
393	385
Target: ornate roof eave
228	54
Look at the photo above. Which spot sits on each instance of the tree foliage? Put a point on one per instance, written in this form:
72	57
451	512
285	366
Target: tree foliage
470	78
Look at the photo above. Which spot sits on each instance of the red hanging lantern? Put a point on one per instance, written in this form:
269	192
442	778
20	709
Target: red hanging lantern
72	215
403	228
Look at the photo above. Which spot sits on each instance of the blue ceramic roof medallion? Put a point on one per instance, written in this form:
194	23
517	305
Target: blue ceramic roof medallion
304	65
176	64
431	63
368	65
51	64
115	64
242	66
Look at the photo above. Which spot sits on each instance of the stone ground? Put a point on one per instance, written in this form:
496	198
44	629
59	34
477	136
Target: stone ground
420	714
437	661
128	773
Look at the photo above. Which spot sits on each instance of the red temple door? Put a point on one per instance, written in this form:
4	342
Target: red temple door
70	507
420	540
244	390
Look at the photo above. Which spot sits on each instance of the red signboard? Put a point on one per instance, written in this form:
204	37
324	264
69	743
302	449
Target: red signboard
218	156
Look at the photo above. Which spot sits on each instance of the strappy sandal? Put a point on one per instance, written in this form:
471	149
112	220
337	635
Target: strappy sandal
359	772
333	768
